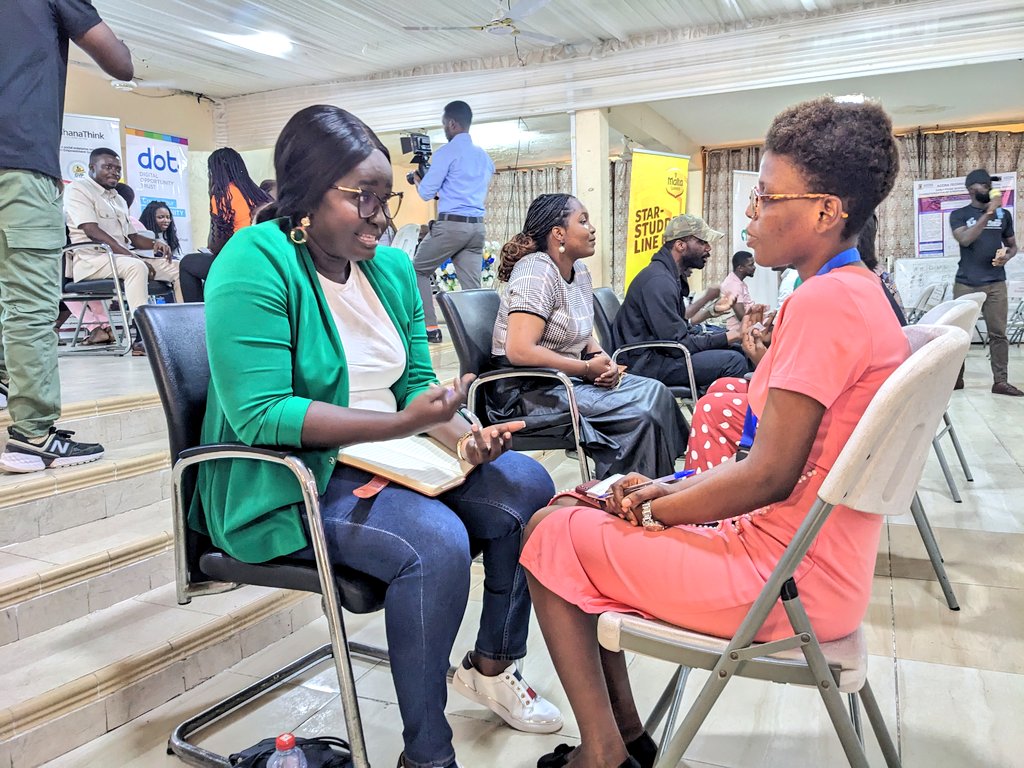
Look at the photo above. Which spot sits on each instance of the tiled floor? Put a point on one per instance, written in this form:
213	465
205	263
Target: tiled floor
951	685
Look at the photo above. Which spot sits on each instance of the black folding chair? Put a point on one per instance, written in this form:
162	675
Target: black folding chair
470	316
606	308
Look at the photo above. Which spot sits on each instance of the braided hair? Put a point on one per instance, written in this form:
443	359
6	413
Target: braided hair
546	213
148	219
227	167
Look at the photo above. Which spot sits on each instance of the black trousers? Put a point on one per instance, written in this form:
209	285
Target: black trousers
709	365
192	271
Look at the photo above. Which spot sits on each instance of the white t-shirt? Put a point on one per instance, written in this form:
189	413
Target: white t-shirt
374	351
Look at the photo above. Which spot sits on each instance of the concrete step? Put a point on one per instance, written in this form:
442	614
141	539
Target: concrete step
133	473
109	420
54	579
73	683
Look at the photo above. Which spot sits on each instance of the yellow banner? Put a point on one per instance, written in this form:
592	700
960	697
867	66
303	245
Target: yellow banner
657	192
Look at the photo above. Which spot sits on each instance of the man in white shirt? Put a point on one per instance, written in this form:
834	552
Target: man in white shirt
733	285
95	211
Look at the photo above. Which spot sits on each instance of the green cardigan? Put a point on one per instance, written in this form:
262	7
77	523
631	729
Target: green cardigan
273	350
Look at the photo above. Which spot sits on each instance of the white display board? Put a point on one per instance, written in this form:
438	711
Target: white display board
935	199
80	135
156	167
764	285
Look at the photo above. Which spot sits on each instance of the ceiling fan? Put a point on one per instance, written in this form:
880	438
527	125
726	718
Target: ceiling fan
504	23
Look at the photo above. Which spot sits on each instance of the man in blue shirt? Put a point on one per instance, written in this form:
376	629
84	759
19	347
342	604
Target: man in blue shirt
458	177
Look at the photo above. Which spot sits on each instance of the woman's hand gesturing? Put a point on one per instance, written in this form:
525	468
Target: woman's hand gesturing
483	444
436	406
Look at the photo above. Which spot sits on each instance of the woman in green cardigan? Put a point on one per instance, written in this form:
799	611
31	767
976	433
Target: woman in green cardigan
316	341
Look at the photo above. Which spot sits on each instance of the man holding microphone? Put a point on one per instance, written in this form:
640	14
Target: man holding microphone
984	230
458	176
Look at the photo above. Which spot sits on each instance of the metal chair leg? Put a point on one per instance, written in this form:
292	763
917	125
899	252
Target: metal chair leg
957	447
932	547
661	707
889	751
854	706
953	490
677	701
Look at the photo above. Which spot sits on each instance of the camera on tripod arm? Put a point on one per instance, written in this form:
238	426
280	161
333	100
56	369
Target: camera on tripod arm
417	144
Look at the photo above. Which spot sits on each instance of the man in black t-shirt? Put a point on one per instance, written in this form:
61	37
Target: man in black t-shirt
34	37
984	230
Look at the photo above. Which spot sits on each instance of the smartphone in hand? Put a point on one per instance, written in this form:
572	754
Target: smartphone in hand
603	488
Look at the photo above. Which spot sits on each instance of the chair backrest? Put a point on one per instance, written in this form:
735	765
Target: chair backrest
407	238
175	339
470	316
879	468
606	307
960	313
930	296
978	297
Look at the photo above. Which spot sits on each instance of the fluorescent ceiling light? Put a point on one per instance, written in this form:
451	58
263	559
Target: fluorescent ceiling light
853	98
267	43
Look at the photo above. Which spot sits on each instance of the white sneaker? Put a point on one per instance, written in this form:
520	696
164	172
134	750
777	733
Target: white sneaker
509	697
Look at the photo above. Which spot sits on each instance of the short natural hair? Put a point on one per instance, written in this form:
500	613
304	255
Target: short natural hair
460	112
102	152
843	148
741	257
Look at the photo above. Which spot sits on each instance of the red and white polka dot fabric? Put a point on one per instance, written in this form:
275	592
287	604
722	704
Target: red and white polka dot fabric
717	424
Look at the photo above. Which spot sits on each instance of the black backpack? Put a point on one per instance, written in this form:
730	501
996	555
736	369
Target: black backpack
321	752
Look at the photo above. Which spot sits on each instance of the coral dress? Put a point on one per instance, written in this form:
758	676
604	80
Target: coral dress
836	340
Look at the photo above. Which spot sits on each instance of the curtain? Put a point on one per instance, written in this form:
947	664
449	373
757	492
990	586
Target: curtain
718	167
511	193
620	173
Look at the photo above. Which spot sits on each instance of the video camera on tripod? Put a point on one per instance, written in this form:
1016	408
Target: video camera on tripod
418	144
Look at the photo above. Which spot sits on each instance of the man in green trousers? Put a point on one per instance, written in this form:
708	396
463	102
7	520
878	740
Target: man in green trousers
34	36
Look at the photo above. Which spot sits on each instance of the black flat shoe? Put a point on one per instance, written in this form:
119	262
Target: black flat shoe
642	750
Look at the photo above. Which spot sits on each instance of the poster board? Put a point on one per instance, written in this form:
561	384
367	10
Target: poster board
935	199
764	285
657	192
80	135
156	167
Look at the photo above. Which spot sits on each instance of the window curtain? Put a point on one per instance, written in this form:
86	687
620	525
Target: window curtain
510	195
718	167
620	173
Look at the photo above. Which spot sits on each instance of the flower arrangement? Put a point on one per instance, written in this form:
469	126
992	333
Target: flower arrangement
447	281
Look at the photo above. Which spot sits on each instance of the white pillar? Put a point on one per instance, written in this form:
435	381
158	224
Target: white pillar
591	180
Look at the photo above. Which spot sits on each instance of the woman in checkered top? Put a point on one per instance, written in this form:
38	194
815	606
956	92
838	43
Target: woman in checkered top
546	320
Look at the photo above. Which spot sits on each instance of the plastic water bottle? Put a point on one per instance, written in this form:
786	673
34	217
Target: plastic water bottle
287	755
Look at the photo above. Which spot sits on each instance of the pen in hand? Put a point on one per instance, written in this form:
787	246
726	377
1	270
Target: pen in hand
666	479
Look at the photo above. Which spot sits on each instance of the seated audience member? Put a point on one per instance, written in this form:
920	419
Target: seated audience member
825	168
158	219
270	187
546	319
95	211
654	310
319	343
787	283
866	246
734	285
234	197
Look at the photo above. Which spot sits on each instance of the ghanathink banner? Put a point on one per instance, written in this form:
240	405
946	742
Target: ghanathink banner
156	167
657	192
80	135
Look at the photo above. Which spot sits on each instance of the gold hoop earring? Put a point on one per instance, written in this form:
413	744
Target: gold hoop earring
298	234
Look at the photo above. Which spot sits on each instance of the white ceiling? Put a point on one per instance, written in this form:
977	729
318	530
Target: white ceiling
359	39
338	40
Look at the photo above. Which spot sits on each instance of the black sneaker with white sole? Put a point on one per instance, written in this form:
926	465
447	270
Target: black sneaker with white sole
55	450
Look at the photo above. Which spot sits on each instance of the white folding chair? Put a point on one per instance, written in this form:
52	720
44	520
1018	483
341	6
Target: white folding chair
877	472
1015	325
962	313
930	296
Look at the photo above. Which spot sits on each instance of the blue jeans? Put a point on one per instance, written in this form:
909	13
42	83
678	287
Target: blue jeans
421	548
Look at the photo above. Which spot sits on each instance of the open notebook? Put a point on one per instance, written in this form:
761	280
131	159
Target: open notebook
418	462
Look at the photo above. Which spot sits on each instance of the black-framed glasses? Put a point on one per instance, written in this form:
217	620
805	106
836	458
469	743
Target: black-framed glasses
370	202
756	196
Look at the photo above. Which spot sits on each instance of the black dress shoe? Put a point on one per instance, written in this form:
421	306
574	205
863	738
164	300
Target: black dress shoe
434	336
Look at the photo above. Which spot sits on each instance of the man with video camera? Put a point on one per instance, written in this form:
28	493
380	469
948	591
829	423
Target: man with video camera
458	177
